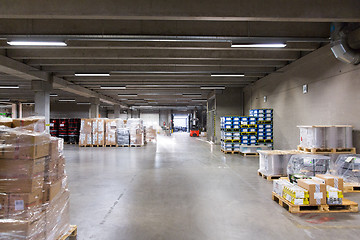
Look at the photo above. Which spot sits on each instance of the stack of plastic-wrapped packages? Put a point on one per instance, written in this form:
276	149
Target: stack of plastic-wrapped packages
347	166
150	133
122	133
34	199
136	130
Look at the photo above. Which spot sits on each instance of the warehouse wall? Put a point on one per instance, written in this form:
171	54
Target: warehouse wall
332	98
164	116
229	102
69	110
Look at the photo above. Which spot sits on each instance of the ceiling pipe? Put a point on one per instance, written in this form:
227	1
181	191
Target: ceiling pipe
340	46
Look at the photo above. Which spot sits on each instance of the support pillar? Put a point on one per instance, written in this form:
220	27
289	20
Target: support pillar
116	111
94	108
42	91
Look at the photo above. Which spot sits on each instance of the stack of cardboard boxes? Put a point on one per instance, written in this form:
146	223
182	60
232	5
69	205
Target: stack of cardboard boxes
98	131
136	130
33	194
85	137
110	132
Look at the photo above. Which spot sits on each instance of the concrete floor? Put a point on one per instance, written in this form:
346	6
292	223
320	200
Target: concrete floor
184	188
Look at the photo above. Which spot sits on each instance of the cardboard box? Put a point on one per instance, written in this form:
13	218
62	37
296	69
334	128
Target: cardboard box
333	181
26	185
51	171
85	139
317	191
23	229
51	190
56	147
98	125
25	205
4	205
86	126
61	168
36	124
110	138
7	122
20	169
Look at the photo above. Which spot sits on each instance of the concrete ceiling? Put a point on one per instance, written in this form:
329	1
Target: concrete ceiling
158	49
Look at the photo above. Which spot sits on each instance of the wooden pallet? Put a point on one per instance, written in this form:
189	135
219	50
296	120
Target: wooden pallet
71	234
70	143
249	154
111	145
269	177
346	206
327	150
230	152
123	145
351	187
135	145
96	145
88	145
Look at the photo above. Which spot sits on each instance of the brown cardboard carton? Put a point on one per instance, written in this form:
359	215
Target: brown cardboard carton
51	169
25	205
16	170
7	122
23	229
61	168
51	190
110	138
98	125
4	205
317	191
86	126
25	185
85	139
56	147
36	124
110	131
331	180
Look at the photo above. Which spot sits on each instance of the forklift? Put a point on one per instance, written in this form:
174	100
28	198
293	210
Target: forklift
194	126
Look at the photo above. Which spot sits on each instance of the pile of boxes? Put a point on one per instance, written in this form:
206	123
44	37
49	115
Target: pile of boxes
110	132
319	190
248	130
98	131
34	200
136	130
150	134
264	121
230	133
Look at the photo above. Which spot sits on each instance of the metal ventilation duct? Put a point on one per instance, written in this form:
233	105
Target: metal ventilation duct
340	47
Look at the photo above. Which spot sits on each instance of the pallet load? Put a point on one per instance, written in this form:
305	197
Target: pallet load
73	130
98	132
264	122
110	132
136	130
308	165
150	134
326	139
347	166
273	163
85	137
33	189
230	134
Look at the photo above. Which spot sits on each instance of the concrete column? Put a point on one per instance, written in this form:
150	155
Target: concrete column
116	111
94	108
19	109
13	110
42	99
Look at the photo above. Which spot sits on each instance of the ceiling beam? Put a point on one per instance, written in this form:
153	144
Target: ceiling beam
226	10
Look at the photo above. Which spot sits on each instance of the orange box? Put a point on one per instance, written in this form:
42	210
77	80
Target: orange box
331	180
317	191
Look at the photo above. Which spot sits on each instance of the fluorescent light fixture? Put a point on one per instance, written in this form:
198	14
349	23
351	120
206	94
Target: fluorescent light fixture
83	103
227	75
212	87
92	74
5	100
36	43
137	100
53	95
66	100
199	100
127	95
30	103
191	94
260	45
113	87
9	86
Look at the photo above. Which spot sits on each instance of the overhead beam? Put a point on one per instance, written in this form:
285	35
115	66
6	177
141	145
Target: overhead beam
226	10
151	54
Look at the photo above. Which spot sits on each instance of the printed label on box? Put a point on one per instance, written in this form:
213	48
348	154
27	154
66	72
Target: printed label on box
19	205
318	195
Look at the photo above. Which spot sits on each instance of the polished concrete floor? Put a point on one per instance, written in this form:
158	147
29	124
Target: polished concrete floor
184	188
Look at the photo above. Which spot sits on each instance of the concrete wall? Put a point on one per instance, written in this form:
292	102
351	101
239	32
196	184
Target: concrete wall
69	110
164	116
333	96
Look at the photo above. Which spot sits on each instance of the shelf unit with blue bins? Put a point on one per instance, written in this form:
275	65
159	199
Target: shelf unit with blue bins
264	126
230	134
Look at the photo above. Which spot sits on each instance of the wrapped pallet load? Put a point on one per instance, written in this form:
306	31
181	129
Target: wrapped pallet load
122	133
33	191
308	165
98	131
136	130
85	137
110	132
347	166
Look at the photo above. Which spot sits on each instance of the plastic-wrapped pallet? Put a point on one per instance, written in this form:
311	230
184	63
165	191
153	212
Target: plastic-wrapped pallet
136	130
85	136
308	165
110	132
326	136
275	162
347	166
32	174
150	134
122	136
98	131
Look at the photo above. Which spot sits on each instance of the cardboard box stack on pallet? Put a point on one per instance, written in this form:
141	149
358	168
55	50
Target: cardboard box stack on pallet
85	137
110	132
136	130
122	133
98	131
33	191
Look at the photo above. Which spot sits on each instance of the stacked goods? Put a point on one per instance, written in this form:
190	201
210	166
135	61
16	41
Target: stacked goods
85	137
334	188
122	137
73	130
308	165
275	162
230	133
7	122
36	124
150	134
136	130
329	137
291	192
248	130
316	189
28	165
63	128
347	166
54	127
110	132
264	121
98	131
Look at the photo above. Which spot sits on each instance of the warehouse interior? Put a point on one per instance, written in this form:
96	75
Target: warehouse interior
179	71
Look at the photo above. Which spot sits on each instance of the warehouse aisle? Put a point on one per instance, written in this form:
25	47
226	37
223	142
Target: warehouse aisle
184	188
